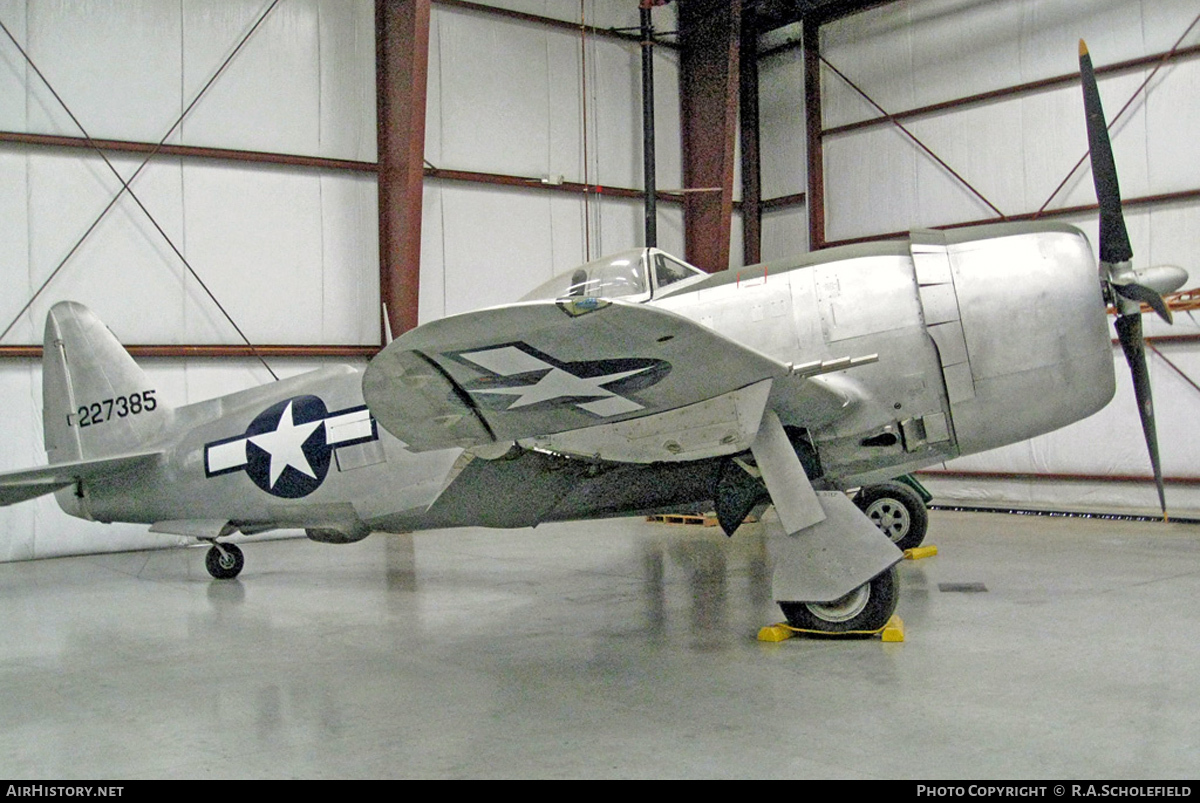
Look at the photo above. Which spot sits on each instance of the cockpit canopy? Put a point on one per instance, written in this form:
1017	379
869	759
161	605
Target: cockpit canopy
635	275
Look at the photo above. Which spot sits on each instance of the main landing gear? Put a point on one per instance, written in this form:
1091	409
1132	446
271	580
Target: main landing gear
224	561
864	610
897	510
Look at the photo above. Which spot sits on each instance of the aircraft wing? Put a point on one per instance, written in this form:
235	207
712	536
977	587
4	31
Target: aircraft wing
591	377
19	486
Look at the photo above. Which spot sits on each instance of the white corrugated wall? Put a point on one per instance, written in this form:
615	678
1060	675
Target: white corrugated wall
507	96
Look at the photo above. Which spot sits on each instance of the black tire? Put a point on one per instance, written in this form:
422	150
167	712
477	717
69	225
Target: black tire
866	608
224	566
897	510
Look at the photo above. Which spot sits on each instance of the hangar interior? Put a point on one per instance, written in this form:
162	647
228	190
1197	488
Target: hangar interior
261	137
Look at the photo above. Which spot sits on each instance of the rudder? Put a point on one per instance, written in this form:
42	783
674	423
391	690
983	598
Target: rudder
96	401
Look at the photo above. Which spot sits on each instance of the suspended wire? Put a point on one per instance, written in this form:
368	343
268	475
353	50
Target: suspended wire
1150	345
1166	57
583	91
913	137
126	188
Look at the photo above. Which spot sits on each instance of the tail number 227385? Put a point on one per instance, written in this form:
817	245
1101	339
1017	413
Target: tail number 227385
120	407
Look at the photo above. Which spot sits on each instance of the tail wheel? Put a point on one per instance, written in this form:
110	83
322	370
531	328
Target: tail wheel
224	561
866	608
897	510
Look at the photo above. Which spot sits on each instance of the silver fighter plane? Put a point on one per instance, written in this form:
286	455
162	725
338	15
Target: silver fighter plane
638	383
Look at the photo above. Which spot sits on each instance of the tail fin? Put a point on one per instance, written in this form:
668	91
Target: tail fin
96	401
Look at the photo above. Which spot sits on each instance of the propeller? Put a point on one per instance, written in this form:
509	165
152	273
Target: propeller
1121	282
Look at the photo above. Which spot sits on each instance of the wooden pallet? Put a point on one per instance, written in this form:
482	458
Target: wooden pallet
702	520
705	520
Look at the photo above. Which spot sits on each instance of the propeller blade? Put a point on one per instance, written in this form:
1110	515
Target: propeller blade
1145	295
1114	239
1129	332
1115	254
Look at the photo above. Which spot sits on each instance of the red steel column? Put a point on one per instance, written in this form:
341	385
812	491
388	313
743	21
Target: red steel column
708	86
401	66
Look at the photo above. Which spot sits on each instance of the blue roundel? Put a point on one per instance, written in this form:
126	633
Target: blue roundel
286	449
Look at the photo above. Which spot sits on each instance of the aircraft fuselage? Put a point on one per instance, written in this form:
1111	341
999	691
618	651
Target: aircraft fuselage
982	337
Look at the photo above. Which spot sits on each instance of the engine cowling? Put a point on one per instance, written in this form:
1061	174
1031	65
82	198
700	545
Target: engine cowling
1034	327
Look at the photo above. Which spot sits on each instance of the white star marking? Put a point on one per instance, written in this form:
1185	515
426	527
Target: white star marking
286	445
554	384
557	384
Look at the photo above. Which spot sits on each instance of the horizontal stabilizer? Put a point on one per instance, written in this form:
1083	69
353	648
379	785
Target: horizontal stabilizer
539	368
18	486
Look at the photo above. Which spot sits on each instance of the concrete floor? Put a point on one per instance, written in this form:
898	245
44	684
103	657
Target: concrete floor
614	649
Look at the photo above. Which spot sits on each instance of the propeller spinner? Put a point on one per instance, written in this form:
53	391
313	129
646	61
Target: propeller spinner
1121	282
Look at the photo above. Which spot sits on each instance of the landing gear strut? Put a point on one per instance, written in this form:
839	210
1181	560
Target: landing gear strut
224	561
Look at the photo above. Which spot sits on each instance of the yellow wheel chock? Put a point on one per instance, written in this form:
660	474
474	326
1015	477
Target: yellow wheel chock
892	631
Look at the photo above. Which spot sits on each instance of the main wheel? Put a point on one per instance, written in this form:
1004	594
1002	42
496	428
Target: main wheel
897	510
224	562
867	607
